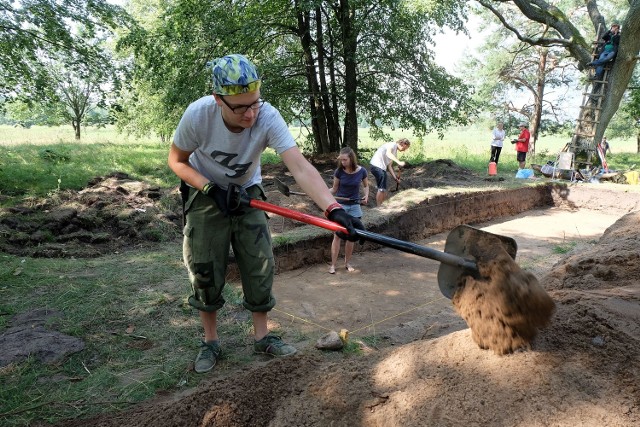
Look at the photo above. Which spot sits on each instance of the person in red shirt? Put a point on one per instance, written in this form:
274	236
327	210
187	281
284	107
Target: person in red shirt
522	144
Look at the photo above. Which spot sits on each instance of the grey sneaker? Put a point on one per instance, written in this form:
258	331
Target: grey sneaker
207	357
274	346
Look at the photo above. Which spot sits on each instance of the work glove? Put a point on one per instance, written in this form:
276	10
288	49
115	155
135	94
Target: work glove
226	200
513	141
347	221
237	197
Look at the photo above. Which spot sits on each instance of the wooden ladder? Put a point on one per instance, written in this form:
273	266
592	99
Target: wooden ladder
588	117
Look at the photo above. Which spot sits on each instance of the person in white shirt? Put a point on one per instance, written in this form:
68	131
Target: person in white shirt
496	143
382	161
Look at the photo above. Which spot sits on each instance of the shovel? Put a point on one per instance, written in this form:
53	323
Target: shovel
456	261
284	189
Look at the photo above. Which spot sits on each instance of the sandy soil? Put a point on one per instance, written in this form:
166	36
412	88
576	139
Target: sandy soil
424	368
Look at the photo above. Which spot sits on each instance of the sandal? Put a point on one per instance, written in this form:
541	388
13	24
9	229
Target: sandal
332	270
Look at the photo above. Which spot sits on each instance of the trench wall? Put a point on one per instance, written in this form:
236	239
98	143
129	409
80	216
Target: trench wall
432	216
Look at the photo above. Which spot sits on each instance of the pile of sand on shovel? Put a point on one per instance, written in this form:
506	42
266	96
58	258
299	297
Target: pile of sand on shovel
506	306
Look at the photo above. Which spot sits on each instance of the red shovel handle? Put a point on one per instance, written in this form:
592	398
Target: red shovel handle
423	251
298	216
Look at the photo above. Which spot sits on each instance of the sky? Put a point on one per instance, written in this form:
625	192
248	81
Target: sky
450	47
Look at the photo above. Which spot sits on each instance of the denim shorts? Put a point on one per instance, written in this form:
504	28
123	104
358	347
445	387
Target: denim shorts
353	210
381	178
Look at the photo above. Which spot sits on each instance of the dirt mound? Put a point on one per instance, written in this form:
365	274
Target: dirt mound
112	214
506	306
614	263
115	212
583	369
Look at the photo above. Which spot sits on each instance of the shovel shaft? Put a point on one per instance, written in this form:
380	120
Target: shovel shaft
412	248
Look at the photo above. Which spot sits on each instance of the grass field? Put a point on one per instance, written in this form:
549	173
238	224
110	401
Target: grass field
42	160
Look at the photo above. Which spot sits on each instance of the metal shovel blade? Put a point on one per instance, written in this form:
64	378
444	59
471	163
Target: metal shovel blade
284	189
459	242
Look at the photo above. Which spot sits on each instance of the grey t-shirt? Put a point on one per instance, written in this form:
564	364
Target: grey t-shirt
223	156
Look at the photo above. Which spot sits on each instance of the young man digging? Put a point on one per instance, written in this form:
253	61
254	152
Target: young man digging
218	143
383	160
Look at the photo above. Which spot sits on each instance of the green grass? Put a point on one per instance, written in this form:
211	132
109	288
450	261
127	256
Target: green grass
37	170
564	247
140	338
39	161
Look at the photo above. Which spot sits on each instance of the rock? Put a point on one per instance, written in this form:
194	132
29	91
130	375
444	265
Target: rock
28	336
331	341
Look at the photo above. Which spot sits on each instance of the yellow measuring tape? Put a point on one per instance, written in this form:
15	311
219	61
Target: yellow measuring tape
344	334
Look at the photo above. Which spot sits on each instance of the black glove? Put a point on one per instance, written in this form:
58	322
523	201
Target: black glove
513	141
226	200
347	221
237	197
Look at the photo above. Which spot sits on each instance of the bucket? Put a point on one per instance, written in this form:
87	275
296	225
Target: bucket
632	177
493	168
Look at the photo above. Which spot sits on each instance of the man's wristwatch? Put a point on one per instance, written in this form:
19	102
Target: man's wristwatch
332	207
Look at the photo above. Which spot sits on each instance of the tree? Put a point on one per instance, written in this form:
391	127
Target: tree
632	108
562	32
74	93
33	31
515	80
326	63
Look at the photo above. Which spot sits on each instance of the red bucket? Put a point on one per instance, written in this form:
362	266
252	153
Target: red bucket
493	168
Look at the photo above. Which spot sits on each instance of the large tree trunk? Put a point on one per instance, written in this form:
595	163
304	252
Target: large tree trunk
318	122
333	127
539	97
349	39
622	69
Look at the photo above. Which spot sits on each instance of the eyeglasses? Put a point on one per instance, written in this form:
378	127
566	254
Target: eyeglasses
241	109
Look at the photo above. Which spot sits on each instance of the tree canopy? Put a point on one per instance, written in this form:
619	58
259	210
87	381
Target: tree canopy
563	30
326	64
33	31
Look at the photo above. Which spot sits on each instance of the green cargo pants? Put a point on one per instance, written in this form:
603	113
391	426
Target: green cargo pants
208	234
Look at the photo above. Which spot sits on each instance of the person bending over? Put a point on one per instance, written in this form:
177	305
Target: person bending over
382	161
217	147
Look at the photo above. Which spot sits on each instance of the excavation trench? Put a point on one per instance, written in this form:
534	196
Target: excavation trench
504	306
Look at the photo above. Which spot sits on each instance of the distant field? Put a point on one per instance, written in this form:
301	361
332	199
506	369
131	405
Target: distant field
460	140
467	146
43	135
